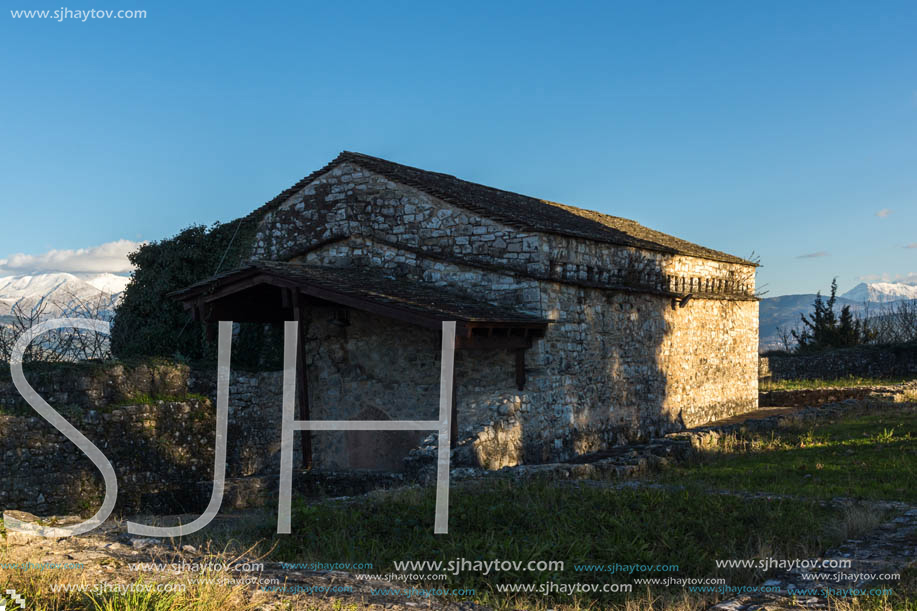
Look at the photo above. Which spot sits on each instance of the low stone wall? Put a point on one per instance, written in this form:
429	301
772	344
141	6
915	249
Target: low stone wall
95	386
820	396
156	450
253	435
155	422
705	437
863	361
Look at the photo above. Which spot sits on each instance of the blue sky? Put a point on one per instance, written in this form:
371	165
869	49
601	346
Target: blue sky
783	128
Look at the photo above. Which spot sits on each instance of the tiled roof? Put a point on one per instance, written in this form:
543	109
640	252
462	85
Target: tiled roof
423	299
520	211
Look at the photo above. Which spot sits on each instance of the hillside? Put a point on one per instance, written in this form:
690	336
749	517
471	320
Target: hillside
61	291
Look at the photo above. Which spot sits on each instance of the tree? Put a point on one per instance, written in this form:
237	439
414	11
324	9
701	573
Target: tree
58	345
148	322
785	335
823	329
893	323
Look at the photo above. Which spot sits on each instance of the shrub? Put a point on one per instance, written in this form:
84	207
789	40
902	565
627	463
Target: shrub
147	321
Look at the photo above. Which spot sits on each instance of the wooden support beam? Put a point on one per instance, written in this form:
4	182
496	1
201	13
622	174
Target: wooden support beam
507	342
520	368
302	382
210	326
200	312
235	287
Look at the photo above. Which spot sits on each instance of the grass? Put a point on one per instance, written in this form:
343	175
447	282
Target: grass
903	597
22	409
847	382
43	591
868	457
579	524
148	399
871	456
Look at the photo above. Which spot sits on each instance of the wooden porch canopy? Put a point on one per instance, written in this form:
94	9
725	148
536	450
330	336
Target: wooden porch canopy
271	291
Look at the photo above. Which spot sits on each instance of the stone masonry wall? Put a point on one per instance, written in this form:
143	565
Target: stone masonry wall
351	201
613	369
622	366
254	401
156	450
154	421
501	288
619	365
379	369
94	387
863	361
593	262
616	364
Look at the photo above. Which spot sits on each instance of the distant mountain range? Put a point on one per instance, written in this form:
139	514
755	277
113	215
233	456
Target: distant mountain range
61	291
784	311
881	292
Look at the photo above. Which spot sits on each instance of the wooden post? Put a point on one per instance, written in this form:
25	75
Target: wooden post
520	369
302	381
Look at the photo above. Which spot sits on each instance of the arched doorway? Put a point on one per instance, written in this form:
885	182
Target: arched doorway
379	450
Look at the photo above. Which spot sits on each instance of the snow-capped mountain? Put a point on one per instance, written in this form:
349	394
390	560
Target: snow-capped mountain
782	313
881	292
61	291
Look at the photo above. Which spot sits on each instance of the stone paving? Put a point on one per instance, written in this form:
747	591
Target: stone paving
108	553
886	550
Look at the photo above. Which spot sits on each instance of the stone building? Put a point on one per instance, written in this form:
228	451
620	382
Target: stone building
576	330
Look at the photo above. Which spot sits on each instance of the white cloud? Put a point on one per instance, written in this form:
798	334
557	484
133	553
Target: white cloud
110	257
814	255
910	278
884	212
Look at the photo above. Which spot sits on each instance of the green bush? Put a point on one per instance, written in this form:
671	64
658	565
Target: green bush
147	321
